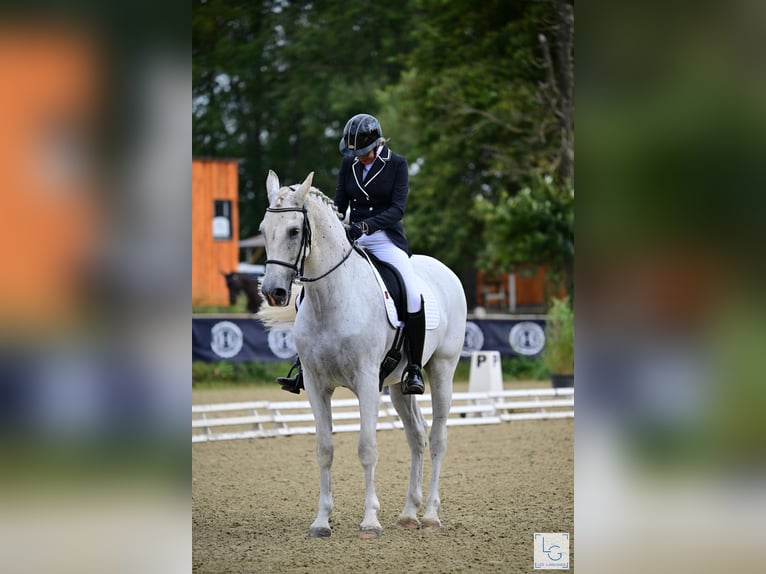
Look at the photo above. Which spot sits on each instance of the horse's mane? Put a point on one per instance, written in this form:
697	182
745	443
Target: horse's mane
313	192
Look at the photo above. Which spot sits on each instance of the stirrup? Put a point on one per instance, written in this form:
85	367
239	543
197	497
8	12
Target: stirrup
292	384
412	381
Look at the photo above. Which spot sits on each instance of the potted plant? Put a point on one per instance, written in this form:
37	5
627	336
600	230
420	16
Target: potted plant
558	353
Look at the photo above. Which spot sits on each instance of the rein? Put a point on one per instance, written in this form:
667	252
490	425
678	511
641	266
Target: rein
300	260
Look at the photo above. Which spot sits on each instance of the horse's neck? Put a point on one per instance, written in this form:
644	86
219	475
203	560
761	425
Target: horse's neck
329	245
328	239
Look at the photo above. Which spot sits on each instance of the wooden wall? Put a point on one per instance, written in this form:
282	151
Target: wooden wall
531	287
212	179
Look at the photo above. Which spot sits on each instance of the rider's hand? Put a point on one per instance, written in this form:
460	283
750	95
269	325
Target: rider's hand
354	231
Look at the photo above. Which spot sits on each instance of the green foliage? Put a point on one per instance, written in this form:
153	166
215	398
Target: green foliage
240	307
558	353
214	309
225	373
205	374
274	83
464	95
534	226
524	369
479	125
513	369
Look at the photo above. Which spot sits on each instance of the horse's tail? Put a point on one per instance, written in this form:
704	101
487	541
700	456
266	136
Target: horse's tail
273	316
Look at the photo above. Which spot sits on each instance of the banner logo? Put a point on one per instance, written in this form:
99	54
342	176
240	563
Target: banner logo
226	339
282	343
527	338
474	339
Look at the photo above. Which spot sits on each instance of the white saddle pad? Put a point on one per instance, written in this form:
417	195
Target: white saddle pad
429	302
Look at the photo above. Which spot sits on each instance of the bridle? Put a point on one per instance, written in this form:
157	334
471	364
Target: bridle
300	260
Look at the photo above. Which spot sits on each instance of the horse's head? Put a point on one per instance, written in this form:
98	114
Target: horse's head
286	232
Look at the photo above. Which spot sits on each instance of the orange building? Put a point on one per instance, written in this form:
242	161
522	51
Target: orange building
524	292
215	228
53	214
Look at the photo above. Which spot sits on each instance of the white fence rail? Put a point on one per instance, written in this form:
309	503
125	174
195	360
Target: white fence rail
260	419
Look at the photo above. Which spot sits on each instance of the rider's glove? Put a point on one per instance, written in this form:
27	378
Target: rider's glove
354	231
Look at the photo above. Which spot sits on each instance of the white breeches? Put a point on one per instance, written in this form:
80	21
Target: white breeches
383	248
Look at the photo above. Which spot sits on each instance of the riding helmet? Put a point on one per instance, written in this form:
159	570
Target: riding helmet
360	135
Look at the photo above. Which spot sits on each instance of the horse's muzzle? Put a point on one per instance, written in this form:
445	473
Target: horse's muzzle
277	297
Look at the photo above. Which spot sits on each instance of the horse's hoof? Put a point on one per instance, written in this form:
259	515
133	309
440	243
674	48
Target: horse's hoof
431	524
321	532
369	533
408	523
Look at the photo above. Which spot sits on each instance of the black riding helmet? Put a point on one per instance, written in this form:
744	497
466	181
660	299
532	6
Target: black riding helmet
360	135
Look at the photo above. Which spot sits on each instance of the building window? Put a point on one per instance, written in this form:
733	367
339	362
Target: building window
222	219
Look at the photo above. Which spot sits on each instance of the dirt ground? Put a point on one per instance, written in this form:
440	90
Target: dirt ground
253	500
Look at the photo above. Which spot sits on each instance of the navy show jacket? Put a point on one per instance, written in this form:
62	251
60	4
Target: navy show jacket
381	198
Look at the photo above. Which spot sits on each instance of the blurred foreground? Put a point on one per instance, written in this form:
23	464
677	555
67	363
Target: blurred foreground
94	291
670	432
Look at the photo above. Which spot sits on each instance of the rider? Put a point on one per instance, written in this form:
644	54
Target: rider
375	182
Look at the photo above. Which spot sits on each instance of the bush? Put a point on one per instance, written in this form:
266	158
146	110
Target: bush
558	354
232	373
238	372
513	369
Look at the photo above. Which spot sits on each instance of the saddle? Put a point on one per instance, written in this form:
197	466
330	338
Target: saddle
395	287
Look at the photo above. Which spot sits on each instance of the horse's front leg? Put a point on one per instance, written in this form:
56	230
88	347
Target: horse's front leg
368	456
320	405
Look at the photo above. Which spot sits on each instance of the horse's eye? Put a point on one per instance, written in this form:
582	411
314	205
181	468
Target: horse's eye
293	232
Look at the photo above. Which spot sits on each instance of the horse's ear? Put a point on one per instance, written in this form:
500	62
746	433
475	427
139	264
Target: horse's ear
272	187
303	191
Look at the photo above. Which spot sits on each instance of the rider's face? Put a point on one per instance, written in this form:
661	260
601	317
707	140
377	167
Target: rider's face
368	158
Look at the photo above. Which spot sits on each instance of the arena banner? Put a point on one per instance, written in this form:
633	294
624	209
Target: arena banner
245	339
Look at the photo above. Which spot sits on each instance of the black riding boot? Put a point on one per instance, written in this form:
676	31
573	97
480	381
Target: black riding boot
415	329
293	384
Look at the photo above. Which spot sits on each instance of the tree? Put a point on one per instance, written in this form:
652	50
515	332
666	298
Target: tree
533	227
487	111
275	81
480	101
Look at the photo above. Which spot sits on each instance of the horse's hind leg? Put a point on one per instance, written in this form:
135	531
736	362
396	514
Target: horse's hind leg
415	429
320	405
440	373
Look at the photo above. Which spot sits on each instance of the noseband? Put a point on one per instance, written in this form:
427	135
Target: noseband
300	260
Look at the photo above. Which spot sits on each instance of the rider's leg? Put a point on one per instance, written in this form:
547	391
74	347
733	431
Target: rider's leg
415	329
414	326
